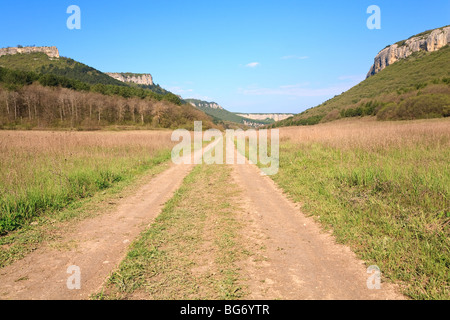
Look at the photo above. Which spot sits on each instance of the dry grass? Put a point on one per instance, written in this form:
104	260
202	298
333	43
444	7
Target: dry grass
370	135
45	171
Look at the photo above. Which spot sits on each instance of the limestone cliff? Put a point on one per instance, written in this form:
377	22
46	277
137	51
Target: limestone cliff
429	41
52	52
204	104
273	116
144	79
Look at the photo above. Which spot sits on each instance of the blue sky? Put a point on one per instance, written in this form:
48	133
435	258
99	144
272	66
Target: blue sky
249	56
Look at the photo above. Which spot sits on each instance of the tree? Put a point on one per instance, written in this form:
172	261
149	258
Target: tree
172	98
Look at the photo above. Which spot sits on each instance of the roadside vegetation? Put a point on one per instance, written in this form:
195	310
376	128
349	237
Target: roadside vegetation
384	190
44	172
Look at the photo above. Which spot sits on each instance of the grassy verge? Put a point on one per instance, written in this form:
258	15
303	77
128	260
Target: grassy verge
383	189
49	227
191	250
44	172
50	179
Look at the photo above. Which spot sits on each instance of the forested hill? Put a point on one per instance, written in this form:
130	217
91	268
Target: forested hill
32	100
65	67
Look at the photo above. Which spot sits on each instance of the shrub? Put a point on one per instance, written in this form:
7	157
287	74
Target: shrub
417	107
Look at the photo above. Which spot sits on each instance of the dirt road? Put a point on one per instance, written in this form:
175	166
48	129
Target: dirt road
99	245
94	245
300	261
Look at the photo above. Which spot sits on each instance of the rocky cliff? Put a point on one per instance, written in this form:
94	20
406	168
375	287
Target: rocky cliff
427	41
204	104
273	116
52	52
144	79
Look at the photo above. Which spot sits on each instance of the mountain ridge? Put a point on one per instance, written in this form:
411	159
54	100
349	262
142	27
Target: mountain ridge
415	87
51	52
429	41
221	115
265	116
145	79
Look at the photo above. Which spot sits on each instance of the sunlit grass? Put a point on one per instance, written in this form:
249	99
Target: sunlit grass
383	188
41	172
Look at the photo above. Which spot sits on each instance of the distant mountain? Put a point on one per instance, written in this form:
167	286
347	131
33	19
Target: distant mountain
222	115
204	104
266	116
414	87
127	77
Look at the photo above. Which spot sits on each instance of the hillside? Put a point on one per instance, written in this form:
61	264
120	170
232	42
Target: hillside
41	63
32	99
412	88
224	116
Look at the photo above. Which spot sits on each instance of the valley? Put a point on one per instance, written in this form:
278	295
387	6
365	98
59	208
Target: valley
141	184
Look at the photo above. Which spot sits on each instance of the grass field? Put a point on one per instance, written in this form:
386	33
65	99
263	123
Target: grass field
383	188
44	172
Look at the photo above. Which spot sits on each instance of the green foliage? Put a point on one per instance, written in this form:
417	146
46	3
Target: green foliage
68	73
366	109
417	107
14	79
156	88
64	67
310	121
172	98
401	43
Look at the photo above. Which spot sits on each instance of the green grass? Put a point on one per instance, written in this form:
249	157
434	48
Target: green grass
390	204
76	183
47	228
45	172
191	250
